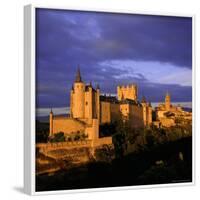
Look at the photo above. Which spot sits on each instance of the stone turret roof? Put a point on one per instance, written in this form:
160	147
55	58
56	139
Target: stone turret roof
89	86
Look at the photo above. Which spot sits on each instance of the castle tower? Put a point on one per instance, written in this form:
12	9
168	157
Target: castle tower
149	117
167	101
78	97
71	101
98	102
144	106
89	103
51	123
127	92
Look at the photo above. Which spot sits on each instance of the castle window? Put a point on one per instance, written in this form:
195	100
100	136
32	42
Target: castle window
86	103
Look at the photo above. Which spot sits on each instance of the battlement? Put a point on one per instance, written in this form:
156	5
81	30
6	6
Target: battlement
129	91
127	86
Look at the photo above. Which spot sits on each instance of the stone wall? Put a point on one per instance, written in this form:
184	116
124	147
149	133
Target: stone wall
167	122
93	130
51	157
67	125
102	141
136	116
115	111
42	147
105	112
134	113
45	147
149	115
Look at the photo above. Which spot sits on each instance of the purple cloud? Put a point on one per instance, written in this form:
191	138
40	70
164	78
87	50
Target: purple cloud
66	38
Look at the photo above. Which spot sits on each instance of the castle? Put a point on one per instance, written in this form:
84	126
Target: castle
89	109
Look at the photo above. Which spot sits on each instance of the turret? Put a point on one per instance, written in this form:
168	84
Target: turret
97	87
71	101
90	103
98	102
144	107
149	104
51	123
143	101
78	98
122	97
149	113
167	101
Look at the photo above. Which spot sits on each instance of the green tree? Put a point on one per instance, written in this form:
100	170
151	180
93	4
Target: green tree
58	137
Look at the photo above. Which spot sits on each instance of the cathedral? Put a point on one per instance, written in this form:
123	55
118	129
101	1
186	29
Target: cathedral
89	109
167	114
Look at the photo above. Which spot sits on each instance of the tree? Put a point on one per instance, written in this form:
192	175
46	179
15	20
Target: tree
58	137
105	153
120	136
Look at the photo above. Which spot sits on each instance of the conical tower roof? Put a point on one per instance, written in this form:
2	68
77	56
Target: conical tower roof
97	86
167	94
143	99
150	103
78	75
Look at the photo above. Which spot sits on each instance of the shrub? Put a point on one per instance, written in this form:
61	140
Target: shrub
58	137
105	153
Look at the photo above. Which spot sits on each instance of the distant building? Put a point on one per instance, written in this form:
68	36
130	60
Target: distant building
168	115
89	109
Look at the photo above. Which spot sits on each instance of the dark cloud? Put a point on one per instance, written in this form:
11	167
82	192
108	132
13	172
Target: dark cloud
65	39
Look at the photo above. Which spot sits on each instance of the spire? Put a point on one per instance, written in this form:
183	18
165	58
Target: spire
167	101
51	111
150	103
78	75
97	87
143	99
167	94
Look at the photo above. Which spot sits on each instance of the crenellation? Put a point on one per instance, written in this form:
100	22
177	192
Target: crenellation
127	92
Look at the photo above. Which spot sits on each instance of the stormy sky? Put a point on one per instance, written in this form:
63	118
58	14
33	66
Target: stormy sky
155	52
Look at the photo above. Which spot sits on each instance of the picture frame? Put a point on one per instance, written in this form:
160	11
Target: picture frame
30	101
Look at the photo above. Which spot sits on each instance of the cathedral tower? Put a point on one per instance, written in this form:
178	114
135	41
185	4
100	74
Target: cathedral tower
167	101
